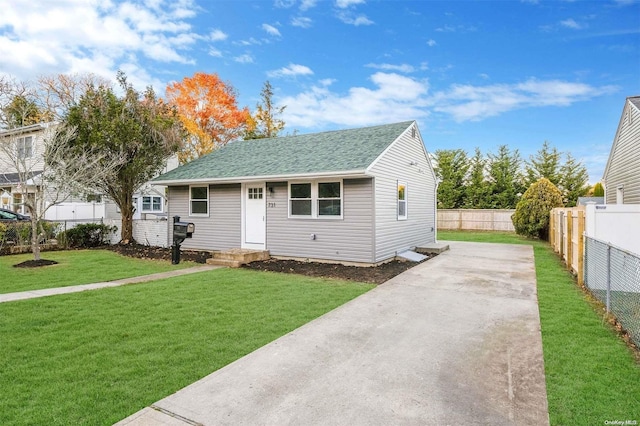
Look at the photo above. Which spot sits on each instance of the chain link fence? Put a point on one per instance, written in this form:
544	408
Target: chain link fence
613	276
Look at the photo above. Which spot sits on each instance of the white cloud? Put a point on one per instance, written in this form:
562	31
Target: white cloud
40	36
393	98
431	42
351	19
215	52
244	59
307	4
218	35
474	103
571	23
406	68
291	71
343	4
271	30
301	21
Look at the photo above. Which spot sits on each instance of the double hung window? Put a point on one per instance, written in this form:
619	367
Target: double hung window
315	200
198	200
151	204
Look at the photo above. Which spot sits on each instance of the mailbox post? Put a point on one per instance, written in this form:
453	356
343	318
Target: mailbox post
181	230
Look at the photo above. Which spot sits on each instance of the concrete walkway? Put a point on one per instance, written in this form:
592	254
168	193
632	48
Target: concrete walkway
32	294
453	341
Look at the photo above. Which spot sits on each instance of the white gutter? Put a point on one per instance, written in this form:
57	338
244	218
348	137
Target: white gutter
241	179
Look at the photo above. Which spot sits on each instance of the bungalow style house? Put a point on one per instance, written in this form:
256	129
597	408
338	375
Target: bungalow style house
359	195
622	173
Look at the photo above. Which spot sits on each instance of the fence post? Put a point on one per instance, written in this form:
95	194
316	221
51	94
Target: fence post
552	228
608	276
569	261
581	247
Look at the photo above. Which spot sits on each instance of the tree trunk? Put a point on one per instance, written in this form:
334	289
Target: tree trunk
126	233
35	244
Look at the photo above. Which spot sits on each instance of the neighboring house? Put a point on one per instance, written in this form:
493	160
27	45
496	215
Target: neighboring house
359	195
26	144
622	174
583	201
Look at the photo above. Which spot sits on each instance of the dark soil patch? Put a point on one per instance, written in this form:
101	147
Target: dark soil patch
159	253
371	274
35	263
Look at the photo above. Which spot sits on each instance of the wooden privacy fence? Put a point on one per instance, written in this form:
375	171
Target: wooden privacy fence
566	235
476	219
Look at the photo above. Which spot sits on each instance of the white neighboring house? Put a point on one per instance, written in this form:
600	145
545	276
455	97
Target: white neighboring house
150	200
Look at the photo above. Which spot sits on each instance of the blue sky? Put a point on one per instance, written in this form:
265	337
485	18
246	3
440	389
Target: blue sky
472	73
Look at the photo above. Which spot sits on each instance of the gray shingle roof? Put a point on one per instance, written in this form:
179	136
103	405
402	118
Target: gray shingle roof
333	152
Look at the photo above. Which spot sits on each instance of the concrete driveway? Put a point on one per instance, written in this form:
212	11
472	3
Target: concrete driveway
453	341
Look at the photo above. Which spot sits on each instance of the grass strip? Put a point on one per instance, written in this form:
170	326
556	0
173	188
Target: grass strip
591	375
76	267
97	357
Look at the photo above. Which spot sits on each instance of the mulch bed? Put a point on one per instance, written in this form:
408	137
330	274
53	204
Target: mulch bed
159	253
35	263
373	274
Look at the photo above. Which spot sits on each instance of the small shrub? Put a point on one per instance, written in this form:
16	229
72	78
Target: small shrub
531	218
3	232
87	235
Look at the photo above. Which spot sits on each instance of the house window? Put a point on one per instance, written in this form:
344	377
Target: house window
315	200
151	204
402	201
329	199
25	147
300	199
199	200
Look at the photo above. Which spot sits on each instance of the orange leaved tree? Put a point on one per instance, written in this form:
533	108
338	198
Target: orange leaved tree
208	109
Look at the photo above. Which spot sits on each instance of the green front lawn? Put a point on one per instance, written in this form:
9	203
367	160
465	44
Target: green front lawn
76	267
98	356
591	375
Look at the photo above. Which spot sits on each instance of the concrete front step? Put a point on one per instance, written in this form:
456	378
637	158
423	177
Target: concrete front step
434	248
237	257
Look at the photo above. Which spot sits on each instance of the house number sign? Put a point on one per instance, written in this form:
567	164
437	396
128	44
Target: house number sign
271	205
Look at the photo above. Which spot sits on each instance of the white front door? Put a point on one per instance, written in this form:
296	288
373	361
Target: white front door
254	216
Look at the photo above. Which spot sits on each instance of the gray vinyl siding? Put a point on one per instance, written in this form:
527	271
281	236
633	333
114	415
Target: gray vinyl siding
349	239
393	235
219	231
624	164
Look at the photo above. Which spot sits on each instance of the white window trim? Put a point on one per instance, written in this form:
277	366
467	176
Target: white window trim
22	147
161	210
199	199
314	200
406	201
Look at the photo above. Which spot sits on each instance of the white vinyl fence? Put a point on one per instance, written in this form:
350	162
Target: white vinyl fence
616	224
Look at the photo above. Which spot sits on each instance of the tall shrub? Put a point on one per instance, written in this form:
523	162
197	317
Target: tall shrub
531	218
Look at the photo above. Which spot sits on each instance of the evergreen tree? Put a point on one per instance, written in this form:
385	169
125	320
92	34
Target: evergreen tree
477	190
264	122
505	178
574	181
531	218
544	164
451	169
598	190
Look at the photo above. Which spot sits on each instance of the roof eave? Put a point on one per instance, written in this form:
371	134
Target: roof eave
236	179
